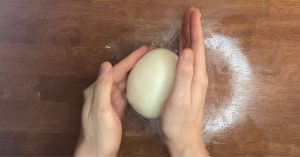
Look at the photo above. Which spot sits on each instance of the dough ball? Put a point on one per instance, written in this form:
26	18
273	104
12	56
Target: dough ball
150	82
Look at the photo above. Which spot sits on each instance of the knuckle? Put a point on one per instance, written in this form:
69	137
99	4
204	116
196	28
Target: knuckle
180	105
88	92
186	71
85	111
97	87
203	81
97	83
183	105
105	63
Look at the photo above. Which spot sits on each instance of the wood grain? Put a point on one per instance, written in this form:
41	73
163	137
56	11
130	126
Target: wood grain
50	50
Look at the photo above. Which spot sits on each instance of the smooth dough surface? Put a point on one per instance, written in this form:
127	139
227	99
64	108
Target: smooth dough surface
150	81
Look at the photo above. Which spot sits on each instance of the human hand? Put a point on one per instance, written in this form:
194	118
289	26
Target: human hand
104	105
183	112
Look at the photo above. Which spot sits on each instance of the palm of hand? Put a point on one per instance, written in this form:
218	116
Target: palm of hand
105	102
182	115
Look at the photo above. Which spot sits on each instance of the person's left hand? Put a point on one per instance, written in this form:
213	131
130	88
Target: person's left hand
182	116
105	101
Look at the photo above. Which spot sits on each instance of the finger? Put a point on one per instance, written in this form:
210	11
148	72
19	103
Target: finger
103	88
88	92
120	105
180	42
185	29
123	67
184	76
88	96
200	80
119	100
198	46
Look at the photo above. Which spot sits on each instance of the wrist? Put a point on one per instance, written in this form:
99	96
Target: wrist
85	149
192	149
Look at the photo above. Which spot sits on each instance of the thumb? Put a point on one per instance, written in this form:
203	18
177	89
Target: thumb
184	75
103	87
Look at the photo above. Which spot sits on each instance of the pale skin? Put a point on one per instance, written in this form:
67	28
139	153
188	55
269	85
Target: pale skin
105	100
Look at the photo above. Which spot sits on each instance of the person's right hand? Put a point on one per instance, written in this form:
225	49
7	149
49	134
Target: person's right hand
183	112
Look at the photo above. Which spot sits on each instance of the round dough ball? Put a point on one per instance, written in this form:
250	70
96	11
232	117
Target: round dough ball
150	82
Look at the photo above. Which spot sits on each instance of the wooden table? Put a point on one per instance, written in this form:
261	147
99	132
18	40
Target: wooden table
50	50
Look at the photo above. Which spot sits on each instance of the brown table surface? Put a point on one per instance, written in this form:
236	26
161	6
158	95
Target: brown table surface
50	50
